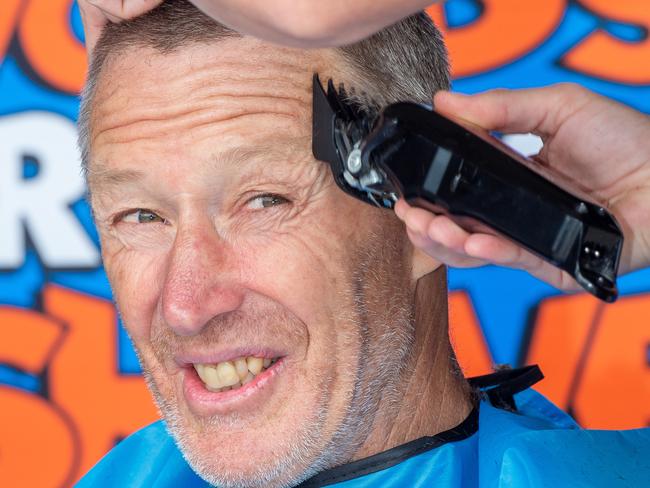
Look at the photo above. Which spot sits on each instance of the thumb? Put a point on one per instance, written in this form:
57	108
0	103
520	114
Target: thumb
538	110
95	14
93	20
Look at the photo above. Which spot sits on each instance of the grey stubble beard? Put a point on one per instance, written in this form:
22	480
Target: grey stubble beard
380	370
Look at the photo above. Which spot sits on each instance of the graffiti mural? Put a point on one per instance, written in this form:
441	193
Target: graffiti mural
70	384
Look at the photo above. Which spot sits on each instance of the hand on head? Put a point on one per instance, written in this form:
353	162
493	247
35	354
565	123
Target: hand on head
298	23
602	145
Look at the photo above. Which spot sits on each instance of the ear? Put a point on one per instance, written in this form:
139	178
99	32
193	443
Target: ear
422	264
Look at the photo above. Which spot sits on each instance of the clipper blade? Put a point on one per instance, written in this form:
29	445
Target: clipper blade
340	127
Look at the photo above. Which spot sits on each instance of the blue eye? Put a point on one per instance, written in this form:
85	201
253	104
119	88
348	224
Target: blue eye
266	201
142	216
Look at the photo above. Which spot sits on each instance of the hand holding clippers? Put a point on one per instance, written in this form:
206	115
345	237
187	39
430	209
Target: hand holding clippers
410	151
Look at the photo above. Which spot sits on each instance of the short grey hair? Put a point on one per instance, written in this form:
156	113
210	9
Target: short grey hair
407	61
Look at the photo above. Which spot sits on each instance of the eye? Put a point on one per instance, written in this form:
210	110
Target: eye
266	201
142	216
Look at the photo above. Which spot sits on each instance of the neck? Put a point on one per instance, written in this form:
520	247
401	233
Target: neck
435	396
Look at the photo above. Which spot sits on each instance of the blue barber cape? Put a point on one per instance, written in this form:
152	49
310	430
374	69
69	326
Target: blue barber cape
512	439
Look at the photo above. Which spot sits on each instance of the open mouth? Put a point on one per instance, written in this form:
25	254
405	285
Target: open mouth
231	375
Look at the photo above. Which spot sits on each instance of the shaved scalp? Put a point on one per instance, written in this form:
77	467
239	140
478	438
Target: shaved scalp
406	61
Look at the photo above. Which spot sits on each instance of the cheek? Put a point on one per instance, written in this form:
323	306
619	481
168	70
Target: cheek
136	279
308	268
304	265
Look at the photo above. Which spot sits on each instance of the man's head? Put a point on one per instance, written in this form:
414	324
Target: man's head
227	244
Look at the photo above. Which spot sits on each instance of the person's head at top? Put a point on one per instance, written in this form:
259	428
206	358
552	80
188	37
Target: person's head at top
283	326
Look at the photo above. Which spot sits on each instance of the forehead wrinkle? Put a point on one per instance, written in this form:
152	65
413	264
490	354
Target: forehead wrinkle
265	159
129	84
211	82
195	75
187	100
171	127
286	149
233	77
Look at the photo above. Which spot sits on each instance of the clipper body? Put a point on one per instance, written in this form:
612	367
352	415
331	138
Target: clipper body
433	162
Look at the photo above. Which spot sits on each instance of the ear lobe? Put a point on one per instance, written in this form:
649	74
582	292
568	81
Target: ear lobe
423	264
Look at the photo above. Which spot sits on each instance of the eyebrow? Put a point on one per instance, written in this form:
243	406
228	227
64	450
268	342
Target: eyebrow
103	179
113	177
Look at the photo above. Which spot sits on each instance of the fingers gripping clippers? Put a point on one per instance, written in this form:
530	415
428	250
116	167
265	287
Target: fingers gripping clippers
409	151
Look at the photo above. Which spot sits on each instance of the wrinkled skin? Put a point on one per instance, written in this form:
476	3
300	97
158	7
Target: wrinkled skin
187	149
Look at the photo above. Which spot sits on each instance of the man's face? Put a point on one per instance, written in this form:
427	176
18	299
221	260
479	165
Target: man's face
271	312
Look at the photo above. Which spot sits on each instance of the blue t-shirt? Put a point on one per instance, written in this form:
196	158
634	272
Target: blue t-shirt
512	439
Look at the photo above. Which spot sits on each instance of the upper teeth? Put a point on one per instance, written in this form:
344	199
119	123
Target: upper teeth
231	374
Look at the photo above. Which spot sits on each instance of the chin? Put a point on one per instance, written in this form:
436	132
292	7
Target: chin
228	452
250	458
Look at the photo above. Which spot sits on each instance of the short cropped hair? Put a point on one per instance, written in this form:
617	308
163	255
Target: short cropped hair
406	61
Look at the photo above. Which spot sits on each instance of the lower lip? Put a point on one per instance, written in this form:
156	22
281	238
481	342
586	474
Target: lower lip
205	402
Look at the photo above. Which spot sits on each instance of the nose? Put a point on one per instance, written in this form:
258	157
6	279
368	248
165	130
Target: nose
200	283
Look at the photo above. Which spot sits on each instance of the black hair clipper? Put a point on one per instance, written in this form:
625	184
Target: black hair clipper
411	151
